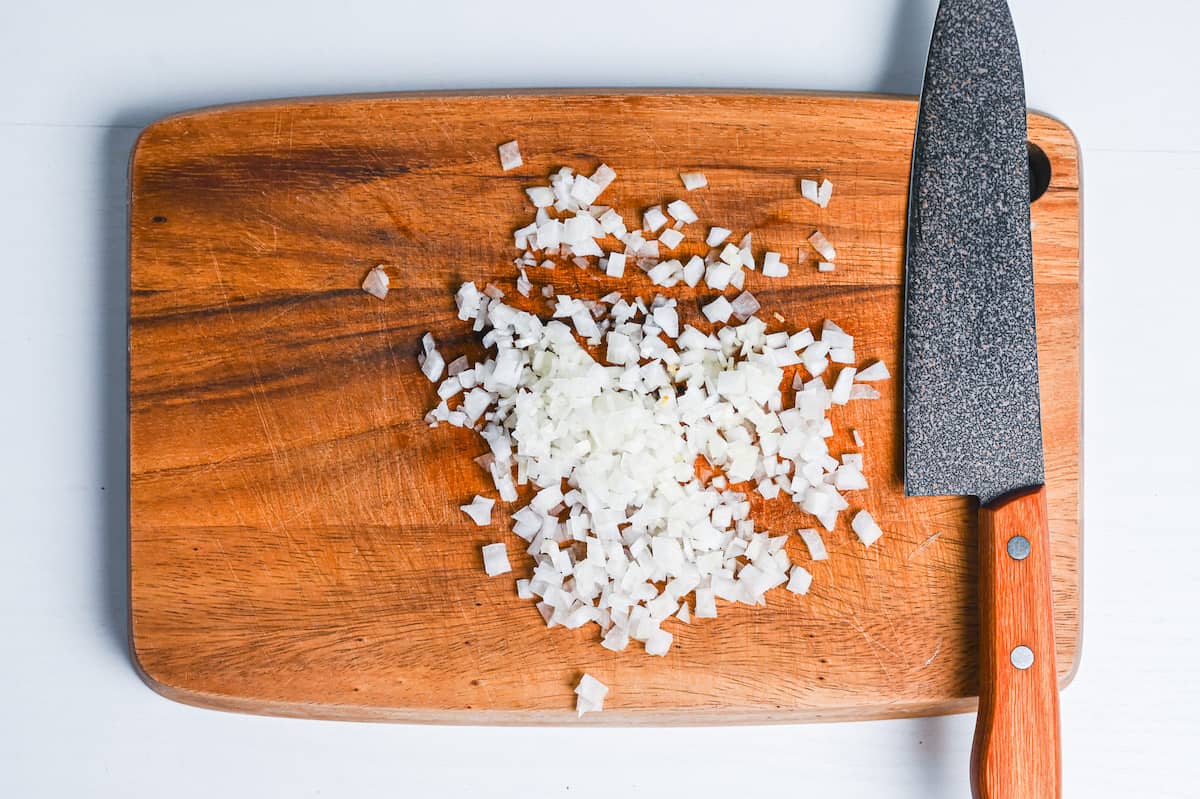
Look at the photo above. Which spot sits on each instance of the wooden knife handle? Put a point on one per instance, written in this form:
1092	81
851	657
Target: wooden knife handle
1016	754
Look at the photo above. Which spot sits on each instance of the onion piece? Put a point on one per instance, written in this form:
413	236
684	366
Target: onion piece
865	528
589	694
653	219
495	559
659	642
693	180
849	478
876	371
376	283
717	235
603	176
670	238
772	266
834	336
430	360
745	306
718	276
862	391
480	510
616	265
842	386
732	256
824	193
680	210
812	541
822	246
540	196
667	319
585	191
809	191
660	274
510	156
800	580
612	223
719	310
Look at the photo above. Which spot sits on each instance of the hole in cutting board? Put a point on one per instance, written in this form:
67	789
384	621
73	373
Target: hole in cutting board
1039	171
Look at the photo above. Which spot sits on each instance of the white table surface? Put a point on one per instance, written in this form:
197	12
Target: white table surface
78	80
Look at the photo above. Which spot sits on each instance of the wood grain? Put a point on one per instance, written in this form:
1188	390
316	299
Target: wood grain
1017	751
296	546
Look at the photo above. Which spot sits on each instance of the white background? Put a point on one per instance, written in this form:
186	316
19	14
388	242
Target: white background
78	80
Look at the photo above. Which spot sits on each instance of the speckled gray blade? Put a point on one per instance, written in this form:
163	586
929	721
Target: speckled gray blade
972	422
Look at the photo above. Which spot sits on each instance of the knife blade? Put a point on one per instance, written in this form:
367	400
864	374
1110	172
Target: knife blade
972	420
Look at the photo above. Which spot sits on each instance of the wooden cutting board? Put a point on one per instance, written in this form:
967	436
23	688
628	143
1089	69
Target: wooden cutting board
295	539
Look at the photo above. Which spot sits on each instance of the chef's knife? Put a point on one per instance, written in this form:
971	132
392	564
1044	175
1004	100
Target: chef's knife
972	423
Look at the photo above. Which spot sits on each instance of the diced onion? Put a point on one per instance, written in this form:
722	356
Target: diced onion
653	218
822	246
861	391
865	528
719	310
589	695
541	196
495	559
824	193
812	540
480	510
876	371
670	238
800	580
680	210
603	176
842	386
510	156
772	266
616	265
717	235
597	413
745	306
808	189
376	283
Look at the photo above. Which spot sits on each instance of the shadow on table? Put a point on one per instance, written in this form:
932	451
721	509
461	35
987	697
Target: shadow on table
903	68
111	360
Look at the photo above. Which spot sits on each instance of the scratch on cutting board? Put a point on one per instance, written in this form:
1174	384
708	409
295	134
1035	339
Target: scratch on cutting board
249	601
277	453
936	650
923	545
874	645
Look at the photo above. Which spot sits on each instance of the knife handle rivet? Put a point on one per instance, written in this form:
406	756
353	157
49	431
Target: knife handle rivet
1019	547
1021	657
